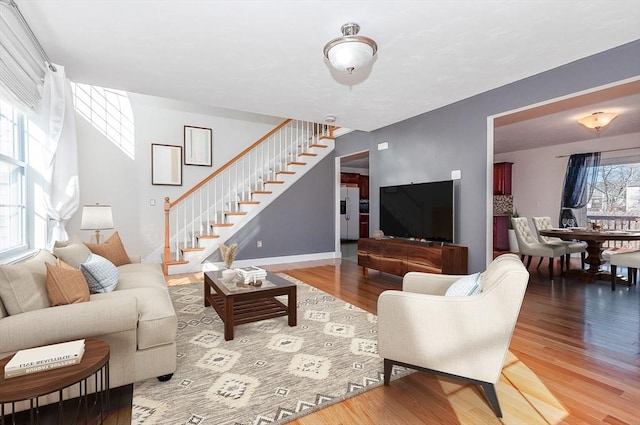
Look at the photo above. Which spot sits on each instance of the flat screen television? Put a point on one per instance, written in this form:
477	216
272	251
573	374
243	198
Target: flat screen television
421	211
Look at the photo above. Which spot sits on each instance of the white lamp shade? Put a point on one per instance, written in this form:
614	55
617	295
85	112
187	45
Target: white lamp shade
96	217
350	55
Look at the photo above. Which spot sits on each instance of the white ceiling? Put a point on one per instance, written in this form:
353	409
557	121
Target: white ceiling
266	56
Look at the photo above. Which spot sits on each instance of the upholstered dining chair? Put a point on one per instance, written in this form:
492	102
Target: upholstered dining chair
630	260
528	245
572	247
433	326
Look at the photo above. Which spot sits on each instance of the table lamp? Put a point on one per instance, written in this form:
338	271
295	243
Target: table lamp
96	217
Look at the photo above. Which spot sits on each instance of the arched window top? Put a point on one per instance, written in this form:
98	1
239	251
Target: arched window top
109	111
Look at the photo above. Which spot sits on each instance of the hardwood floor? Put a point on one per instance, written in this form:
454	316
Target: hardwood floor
574	357
576	350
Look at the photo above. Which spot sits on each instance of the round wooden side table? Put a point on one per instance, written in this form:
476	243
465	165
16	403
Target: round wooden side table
93	367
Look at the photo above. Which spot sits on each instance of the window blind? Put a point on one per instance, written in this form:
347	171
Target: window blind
22	67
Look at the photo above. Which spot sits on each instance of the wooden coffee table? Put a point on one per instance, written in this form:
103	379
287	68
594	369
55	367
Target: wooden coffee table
237	303
94	367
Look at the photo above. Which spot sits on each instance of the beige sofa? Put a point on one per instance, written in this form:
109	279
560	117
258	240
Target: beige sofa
136	319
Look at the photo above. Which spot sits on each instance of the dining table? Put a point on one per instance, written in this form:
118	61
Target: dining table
594	239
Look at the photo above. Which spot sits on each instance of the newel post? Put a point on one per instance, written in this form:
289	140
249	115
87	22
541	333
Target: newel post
167	249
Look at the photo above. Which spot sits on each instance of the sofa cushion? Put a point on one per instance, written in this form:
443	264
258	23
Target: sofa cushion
157	321
73	252
100	273
141	275
23	286
66	285
112	249
465	286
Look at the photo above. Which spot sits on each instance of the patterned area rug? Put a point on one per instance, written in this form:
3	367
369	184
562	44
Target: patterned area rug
269	373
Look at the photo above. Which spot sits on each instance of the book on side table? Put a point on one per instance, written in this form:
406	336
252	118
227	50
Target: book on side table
43	358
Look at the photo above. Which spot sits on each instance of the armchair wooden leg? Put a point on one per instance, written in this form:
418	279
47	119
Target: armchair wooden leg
388	366
551	267
583	257
490	391
567	261
614	271
528	261
539	262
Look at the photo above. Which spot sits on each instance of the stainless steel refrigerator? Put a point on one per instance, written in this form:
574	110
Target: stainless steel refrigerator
349	213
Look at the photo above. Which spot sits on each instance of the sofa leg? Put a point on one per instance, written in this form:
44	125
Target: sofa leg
165	378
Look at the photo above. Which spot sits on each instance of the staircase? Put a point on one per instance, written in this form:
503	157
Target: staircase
212	211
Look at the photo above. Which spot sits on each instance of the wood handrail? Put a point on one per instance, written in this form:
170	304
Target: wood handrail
227	165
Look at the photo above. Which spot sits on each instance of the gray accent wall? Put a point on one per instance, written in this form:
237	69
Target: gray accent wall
301	221
429	146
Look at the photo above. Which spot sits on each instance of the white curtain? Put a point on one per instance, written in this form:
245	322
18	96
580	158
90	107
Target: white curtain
58	124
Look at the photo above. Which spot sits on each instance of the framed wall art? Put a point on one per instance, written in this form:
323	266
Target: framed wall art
198	146
166	165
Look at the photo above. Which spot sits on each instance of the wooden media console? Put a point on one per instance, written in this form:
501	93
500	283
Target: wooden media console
399	256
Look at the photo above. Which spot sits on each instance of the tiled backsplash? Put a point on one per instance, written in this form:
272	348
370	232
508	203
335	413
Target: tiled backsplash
502	204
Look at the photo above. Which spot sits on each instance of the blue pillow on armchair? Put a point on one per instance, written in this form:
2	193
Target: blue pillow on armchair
465	286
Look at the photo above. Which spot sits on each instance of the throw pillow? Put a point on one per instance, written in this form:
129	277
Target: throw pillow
73	252
112	249
466	285
23	286
101	274
66	285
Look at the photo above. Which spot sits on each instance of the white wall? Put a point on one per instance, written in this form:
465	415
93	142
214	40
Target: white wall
538	176
108	176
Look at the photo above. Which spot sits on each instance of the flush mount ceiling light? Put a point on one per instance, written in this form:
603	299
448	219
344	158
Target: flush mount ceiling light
351	51
597	120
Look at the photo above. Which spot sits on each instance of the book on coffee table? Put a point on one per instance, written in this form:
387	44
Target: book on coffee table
252	274
43	358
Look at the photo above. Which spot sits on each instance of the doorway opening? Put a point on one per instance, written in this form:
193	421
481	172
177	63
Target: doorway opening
352	212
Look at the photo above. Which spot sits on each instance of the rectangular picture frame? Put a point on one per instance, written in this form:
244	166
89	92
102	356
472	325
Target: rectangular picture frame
198	146
166	165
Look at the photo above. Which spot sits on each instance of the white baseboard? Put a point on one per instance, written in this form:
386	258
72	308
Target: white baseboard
274	260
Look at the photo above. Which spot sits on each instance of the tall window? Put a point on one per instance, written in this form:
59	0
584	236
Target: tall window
617	191
13	167
615	203
109	111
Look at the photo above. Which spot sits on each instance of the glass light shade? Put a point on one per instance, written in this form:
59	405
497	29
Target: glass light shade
96	217
350	55
597	120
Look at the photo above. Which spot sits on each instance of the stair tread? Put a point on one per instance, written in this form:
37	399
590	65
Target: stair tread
262	192
235	213
274	182
327	138
308	154
191	249
221	224
317	145
176	262
296	163
285	172
206	236
248	202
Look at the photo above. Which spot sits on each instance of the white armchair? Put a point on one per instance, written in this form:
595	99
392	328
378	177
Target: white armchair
571	247
465	337
528	245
